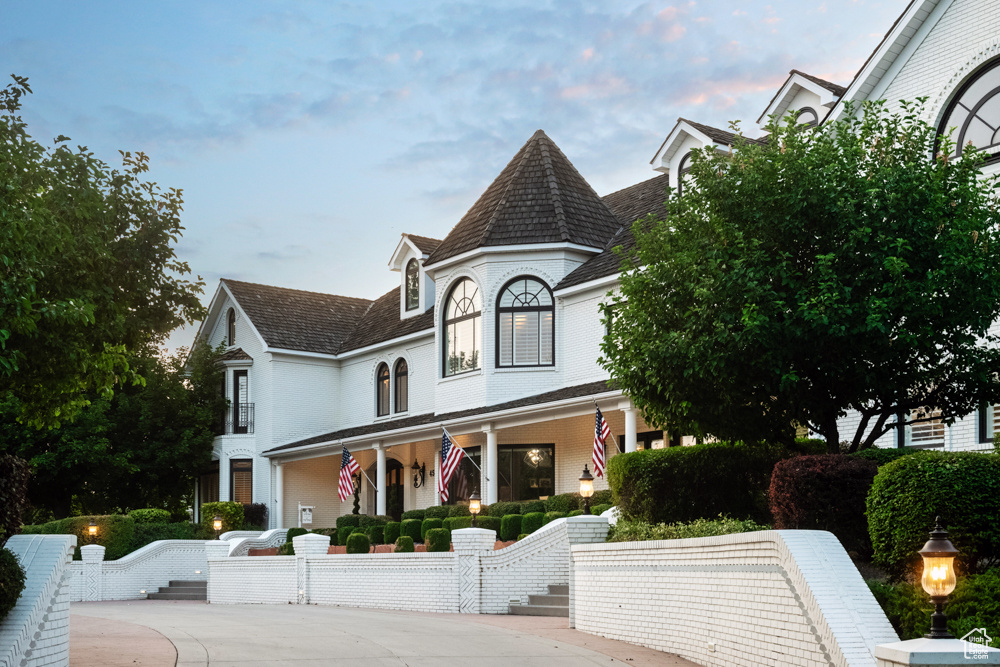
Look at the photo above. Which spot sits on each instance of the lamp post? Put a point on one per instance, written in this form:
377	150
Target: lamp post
92	531
586	488
217	525
474	507
939	577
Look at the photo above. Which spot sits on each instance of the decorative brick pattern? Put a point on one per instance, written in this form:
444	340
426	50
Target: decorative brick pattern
265	540
145	569
471	545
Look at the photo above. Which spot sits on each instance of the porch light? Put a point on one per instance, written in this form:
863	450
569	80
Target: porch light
92	529
474	507
419	474
939	577
586	488
217	525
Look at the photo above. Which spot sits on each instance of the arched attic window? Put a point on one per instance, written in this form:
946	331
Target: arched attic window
412	285
808	117
231	327
683	167
974	112
525	324
463	316
382	390
401	374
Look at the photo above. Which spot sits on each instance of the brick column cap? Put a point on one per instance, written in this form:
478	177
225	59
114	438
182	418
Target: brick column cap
471	540
311	544
942	652
92	553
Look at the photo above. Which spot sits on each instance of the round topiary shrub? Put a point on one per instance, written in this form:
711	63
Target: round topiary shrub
391	532
438	539
579	512
529	506
344	533
532	521
962	488
459	522
295	532
459	510
366	521
503	509
429	524
602	497
150	515
552	516
348	520
438	512
411	528
404	544
521	536
510	527
358	543
489	523
11	581
414	514
824	492
376	534
564	502
598	510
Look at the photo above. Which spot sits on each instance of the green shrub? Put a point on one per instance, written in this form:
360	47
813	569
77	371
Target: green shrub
636	531
353	520
411	528
415	514
459	522
598	510
681	484
367	521
438	539
231	513
344	533
438	512
286	549
521	536
503	509
576	513
114	532
532	521
428	524
255	516
489	523
147	533
907	494
881	456
404	544
376	534
14	474
529	506
552	516
391	532
824	492
603	497
358	543
11	581
459	510
295	532
564	502
150	515
510	527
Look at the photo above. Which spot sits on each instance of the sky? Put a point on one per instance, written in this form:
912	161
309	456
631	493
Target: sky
308	136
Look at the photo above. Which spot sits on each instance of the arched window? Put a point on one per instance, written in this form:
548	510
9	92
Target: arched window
382	390
402	398
525	319
683	167
975	113
412	285
808	117
231	327
462	327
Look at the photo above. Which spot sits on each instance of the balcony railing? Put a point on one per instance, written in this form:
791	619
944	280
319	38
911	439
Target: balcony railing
237	419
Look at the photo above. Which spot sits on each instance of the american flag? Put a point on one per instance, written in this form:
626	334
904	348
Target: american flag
601	433
451	456
348	466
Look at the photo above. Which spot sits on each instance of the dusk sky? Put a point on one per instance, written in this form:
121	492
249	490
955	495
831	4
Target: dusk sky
307	136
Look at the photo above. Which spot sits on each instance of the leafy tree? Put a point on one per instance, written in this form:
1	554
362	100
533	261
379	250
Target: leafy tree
853	266
89	271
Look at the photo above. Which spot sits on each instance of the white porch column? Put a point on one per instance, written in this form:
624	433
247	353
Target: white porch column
224	474
436	472
379	480
491	463
279	495
629	410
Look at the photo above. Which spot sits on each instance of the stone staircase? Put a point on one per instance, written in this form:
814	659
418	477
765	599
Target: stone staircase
554	603
181	590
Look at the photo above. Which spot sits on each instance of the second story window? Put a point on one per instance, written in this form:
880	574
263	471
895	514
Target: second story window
412	285
231	327
382	390
401	374
462	327
525	317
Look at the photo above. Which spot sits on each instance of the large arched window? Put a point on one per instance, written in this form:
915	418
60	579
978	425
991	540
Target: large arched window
975	113
462	328
382	390
231	327
412	285
402	396
525	324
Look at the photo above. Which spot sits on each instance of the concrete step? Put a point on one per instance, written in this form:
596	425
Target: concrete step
195	583
538	610
174	595
559	589
180	589
549	600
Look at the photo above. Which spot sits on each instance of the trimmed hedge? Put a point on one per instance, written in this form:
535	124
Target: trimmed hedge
376	534
489	523
348	520
14	474
344	533
602	497
681	484
577	513
510	527
255	516
367	521
564	502
459	510
437	512
286	549
411	529
824	492
503	509
636	531
437	539
358	543
415	514
552	516
231	513
391	532
881	456
429	524
12	579
598	510
529	506
532	521
295	532
963	488
404	544
149	515
147	533
114	532
521	536
458	522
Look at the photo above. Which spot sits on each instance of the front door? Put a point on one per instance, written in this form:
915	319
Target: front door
394	479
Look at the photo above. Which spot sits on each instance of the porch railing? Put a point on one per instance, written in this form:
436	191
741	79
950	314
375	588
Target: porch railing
237	419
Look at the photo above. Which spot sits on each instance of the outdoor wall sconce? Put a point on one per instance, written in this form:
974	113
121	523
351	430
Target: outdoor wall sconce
586	488
939	577
419	473
474	507
217	525
92	530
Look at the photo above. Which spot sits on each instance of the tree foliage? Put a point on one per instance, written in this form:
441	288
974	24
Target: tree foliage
89	271
844	267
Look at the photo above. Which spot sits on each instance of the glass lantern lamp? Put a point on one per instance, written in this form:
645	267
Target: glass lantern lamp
586	488
474	506
92	530
939	577
217	525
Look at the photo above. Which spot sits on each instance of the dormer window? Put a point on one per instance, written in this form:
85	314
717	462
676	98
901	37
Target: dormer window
974	113
808	117
231	327
525	324
683	167
382	390
412	283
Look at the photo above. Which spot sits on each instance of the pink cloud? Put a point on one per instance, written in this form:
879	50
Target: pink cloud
587	54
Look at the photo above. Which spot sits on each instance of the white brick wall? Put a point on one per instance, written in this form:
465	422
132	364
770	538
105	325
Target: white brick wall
148	568
240	546
766	598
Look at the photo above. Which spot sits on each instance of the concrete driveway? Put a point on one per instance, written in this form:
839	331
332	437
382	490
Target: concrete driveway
164	633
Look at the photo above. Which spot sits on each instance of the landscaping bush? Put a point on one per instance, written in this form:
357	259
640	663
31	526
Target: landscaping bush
358	543
115	533
14	474
681	484
438	512
255	516
564	502
11	581
428	524
344	533
529	506
635	531
286	549
882	456
147	533
348	520
376	534
598	510
391	532
576	513
510	527
404	544
962	488
824	492
295	532
603	497
489	523
231	513
503	509
150	515
458	522
552	516
415	514
438	539
367	521
532	521
411	528
459	510
521	536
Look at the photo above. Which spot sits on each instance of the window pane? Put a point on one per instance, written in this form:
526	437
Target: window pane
546	339
242	481
526	339
401	389
412	285
506	339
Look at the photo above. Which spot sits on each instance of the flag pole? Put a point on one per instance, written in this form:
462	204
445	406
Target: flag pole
469	458
620	450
